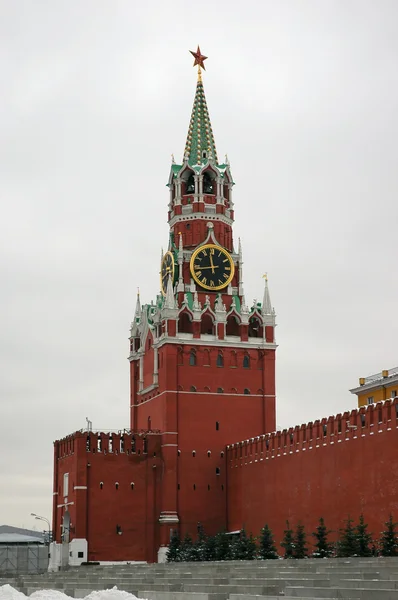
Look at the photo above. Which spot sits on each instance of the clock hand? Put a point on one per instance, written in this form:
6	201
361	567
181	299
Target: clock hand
213	267
212	264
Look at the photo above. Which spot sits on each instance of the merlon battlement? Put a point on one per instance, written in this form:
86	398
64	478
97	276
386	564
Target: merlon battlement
368	420
140	442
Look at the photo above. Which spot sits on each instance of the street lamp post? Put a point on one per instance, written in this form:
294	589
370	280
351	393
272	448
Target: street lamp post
39	518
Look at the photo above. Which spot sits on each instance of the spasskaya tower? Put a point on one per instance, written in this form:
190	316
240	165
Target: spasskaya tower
202	361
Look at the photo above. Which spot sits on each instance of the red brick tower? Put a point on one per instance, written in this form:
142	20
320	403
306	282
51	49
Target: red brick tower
202	361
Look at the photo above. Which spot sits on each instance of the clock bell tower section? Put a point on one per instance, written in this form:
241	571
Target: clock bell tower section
202	361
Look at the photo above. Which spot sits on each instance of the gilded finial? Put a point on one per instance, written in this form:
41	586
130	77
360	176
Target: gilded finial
138	292
265	276
172	159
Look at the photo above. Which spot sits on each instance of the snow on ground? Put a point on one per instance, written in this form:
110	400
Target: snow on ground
9	593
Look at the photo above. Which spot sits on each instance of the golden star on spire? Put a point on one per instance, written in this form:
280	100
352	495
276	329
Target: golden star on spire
199	60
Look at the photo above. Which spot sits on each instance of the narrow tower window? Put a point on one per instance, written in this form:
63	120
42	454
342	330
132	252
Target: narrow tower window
218	425
220	360
246	391
192	358
246	362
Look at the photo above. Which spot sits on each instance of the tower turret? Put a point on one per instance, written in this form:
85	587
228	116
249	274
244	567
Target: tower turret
202	360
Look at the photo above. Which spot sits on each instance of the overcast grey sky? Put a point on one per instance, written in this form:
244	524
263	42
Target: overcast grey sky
94	97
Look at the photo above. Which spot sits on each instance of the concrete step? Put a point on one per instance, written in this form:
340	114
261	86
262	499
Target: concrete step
351	593
382	584
151	595
262	590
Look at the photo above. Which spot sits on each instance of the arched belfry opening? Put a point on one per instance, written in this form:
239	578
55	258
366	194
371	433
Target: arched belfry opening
208	183
226	190
188	181
190	186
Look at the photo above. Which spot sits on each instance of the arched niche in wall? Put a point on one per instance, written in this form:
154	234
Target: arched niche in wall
184	323
232	325
66	527
255	328
207	324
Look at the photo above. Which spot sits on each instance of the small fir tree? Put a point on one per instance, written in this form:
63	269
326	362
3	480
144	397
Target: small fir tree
348	542
244	547
173	551
364	538
210	549
288	541
389	539
323	549
186	549
267	549
223	546
300	542
198	548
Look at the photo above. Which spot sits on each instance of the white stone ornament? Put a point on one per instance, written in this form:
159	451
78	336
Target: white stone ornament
196	304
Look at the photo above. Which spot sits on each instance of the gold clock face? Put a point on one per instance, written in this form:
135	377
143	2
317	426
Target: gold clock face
212	267
166	268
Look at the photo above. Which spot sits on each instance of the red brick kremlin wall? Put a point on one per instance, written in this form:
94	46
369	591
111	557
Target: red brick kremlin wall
340	466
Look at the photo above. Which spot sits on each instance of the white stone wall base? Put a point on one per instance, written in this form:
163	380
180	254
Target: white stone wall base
162	554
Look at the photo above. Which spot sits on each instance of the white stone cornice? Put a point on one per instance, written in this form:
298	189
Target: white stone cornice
200	216
212	340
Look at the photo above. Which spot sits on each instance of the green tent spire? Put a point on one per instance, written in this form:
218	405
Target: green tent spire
200	145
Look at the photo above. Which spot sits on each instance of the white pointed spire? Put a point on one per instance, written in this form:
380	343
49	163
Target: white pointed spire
137	314
180	246
266	308
169	301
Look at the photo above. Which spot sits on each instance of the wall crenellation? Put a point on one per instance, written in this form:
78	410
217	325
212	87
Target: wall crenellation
102	443
335	429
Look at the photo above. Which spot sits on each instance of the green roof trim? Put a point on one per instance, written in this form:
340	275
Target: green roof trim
190	299
237	303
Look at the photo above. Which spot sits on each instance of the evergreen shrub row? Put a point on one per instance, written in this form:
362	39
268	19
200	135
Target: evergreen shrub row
353	540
